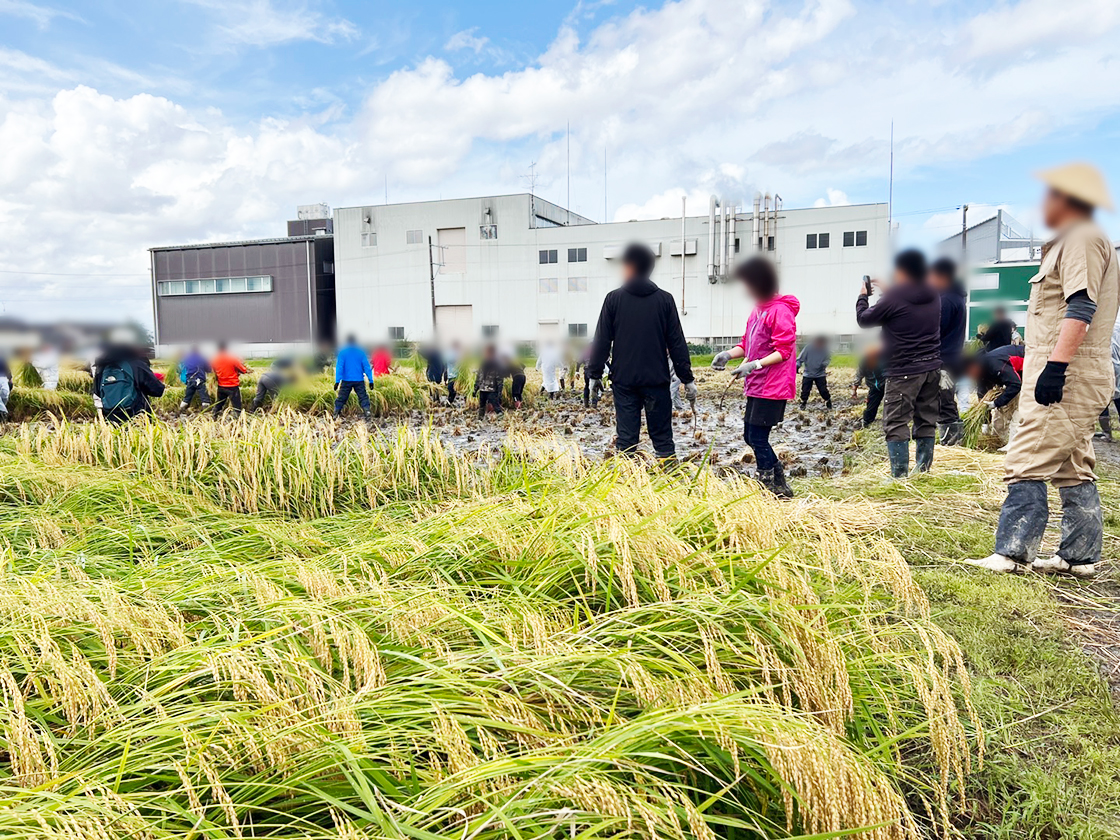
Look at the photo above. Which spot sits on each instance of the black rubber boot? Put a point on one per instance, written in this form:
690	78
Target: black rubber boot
923	454
1082	524
899	453
766	479
1022	521
781	486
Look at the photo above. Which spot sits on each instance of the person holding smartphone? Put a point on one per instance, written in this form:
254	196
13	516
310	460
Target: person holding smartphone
909	314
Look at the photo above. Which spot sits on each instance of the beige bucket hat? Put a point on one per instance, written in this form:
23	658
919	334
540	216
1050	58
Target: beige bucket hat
1082	181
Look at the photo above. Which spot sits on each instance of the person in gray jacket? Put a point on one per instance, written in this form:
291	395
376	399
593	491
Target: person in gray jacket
813	365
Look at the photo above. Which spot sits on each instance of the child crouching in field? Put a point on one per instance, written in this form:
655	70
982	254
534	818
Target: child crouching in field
488	383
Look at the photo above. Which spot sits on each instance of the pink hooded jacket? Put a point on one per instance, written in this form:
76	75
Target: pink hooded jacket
772	326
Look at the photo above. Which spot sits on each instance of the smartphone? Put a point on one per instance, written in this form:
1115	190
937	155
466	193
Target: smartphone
867	283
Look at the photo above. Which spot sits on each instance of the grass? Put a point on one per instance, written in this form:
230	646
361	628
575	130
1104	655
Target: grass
1053	731
269	629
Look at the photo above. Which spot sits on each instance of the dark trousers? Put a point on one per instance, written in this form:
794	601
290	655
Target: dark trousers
265	388
874	400
912	402
345	389
196	386
517	387
1106	421
1025	512
658	405
489	398
451	392
758	439
948	411
807	383
227	397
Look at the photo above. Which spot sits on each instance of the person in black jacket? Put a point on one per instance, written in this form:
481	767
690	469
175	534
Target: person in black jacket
999	332
909	313
639	331
954	325
123	380
997	370
489	381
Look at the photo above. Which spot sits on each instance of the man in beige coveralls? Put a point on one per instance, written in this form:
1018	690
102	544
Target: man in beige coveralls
1067	380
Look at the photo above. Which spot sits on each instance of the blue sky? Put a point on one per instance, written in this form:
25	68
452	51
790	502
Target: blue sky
125	125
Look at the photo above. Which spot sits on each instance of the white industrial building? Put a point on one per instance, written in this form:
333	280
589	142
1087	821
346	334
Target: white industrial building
521	269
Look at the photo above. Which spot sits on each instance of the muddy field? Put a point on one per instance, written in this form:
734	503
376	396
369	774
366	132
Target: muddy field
810	442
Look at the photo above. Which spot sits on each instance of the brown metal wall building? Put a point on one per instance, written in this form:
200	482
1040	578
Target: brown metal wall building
299	308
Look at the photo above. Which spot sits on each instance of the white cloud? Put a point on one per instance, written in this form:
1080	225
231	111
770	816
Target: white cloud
695	97
833	198
40	15
1013	29
466	40
263	23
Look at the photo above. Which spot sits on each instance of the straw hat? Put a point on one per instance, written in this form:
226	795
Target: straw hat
1082	181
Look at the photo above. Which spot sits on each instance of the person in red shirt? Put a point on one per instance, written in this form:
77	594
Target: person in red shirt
227	371
381	361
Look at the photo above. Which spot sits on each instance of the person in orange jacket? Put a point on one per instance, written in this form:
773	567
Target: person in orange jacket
227	371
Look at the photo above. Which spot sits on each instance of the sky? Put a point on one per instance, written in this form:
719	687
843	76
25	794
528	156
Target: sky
127	125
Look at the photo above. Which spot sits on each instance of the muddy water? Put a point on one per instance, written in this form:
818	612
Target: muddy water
810	442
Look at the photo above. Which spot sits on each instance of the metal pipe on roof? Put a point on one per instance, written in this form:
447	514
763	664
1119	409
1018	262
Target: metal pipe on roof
712	239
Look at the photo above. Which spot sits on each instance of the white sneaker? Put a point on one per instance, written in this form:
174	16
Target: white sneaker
997	563
1057	566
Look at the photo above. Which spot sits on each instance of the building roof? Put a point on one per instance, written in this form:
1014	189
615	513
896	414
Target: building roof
275	240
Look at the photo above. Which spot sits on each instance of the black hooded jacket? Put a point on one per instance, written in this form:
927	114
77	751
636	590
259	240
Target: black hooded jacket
147	385
954	325
910	315
997	371
637	325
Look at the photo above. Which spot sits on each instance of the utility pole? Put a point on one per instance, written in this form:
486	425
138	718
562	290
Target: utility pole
964	233
432	280
890	187
569	153
684	247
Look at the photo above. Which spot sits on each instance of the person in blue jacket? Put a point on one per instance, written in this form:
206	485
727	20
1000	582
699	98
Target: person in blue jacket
351	370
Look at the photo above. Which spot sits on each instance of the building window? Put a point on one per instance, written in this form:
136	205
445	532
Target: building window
736	244
489	330
328	268
577	255
770	243
861	238
857	238
822	240
577	284
396	333
414	237
549	257
218	286
369	240
577	330
811	241
548	285
487	231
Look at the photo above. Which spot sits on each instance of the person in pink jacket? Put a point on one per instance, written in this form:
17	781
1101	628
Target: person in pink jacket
769	373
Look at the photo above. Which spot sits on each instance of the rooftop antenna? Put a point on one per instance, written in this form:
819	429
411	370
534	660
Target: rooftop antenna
890	188
569	202
386	187
531	178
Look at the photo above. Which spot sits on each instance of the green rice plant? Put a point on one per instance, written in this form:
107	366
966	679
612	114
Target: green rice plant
979	415
25	375
72	379
38	403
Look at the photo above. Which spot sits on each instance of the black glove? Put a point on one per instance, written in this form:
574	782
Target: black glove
336	385
1051	383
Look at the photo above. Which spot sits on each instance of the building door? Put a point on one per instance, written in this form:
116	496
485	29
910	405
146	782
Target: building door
452	250
548	331
455	323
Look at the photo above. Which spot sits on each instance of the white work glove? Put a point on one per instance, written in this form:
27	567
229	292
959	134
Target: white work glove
746	369
946	381
691	391
594	385
986	429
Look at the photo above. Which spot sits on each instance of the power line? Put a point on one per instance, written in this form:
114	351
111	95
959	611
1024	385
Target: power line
67	274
